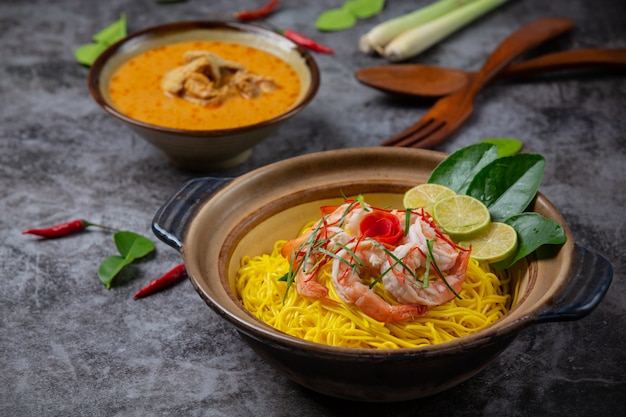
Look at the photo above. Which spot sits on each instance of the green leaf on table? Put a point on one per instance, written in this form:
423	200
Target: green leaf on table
460	167
533	230
88	53
506	146
335	19
110	267
507	185
112	33
364	8
131	246
346	16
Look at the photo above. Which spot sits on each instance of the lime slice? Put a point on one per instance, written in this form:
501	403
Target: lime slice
461	216
496	244
426	195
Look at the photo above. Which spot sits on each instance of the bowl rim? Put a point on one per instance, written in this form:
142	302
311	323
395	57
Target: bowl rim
94	75
255	328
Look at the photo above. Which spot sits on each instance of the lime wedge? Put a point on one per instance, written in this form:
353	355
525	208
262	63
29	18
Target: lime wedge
496	244
461	216
426	195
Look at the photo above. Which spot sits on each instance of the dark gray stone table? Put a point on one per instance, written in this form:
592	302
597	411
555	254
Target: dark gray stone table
70	347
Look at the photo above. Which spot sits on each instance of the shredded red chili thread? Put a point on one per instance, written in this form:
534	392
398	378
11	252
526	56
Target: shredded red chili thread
247	15
59	230
170	278
304	41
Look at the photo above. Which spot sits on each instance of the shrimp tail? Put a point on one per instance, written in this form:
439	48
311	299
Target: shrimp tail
459	270
394	313
375	307
292	246
307	286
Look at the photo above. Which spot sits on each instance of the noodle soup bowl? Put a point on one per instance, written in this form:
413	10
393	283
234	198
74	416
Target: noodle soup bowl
215	222
191	148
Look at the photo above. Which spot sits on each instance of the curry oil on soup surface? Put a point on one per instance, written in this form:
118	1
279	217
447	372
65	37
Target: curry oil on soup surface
204	85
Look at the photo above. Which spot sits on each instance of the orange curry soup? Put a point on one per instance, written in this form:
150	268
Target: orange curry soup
135	88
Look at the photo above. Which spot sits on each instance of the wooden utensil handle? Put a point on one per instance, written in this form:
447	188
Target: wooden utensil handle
520	41
577	58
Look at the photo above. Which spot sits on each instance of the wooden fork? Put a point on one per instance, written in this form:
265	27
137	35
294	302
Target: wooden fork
451	111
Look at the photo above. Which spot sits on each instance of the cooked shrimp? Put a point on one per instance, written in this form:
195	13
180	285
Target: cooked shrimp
343	218
408	286
348	216
307	248
349	284
306	284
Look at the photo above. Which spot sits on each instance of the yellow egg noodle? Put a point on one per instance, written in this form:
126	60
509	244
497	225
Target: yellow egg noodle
486	296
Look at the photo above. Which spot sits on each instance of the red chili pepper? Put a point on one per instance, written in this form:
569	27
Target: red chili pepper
258	13
60	230
170	278
304	41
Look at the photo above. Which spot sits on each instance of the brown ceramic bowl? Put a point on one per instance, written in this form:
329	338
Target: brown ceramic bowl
202	150
214	222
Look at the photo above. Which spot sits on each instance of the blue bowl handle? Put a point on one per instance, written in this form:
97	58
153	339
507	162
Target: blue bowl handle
171	220
589	281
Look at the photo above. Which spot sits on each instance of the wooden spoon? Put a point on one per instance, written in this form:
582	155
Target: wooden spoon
430	81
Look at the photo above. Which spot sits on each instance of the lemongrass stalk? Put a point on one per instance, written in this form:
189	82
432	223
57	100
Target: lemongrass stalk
381	34
416	40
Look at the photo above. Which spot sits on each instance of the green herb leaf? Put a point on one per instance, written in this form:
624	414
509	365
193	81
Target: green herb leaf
110	267
132	245
459	168
364	8
112	33
346	16
533	230
507	185
334	20
506	146
87	54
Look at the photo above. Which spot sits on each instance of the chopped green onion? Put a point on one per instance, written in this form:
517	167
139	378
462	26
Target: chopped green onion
350	252
414	41
379	36
407	221
430	243
439	273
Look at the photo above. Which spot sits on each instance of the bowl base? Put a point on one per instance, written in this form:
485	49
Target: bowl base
204	165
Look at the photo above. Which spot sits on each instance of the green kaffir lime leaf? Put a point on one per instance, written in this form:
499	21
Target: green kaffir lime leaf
88	53
112	33
335	19
506	146
364	8
110	267
131	245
